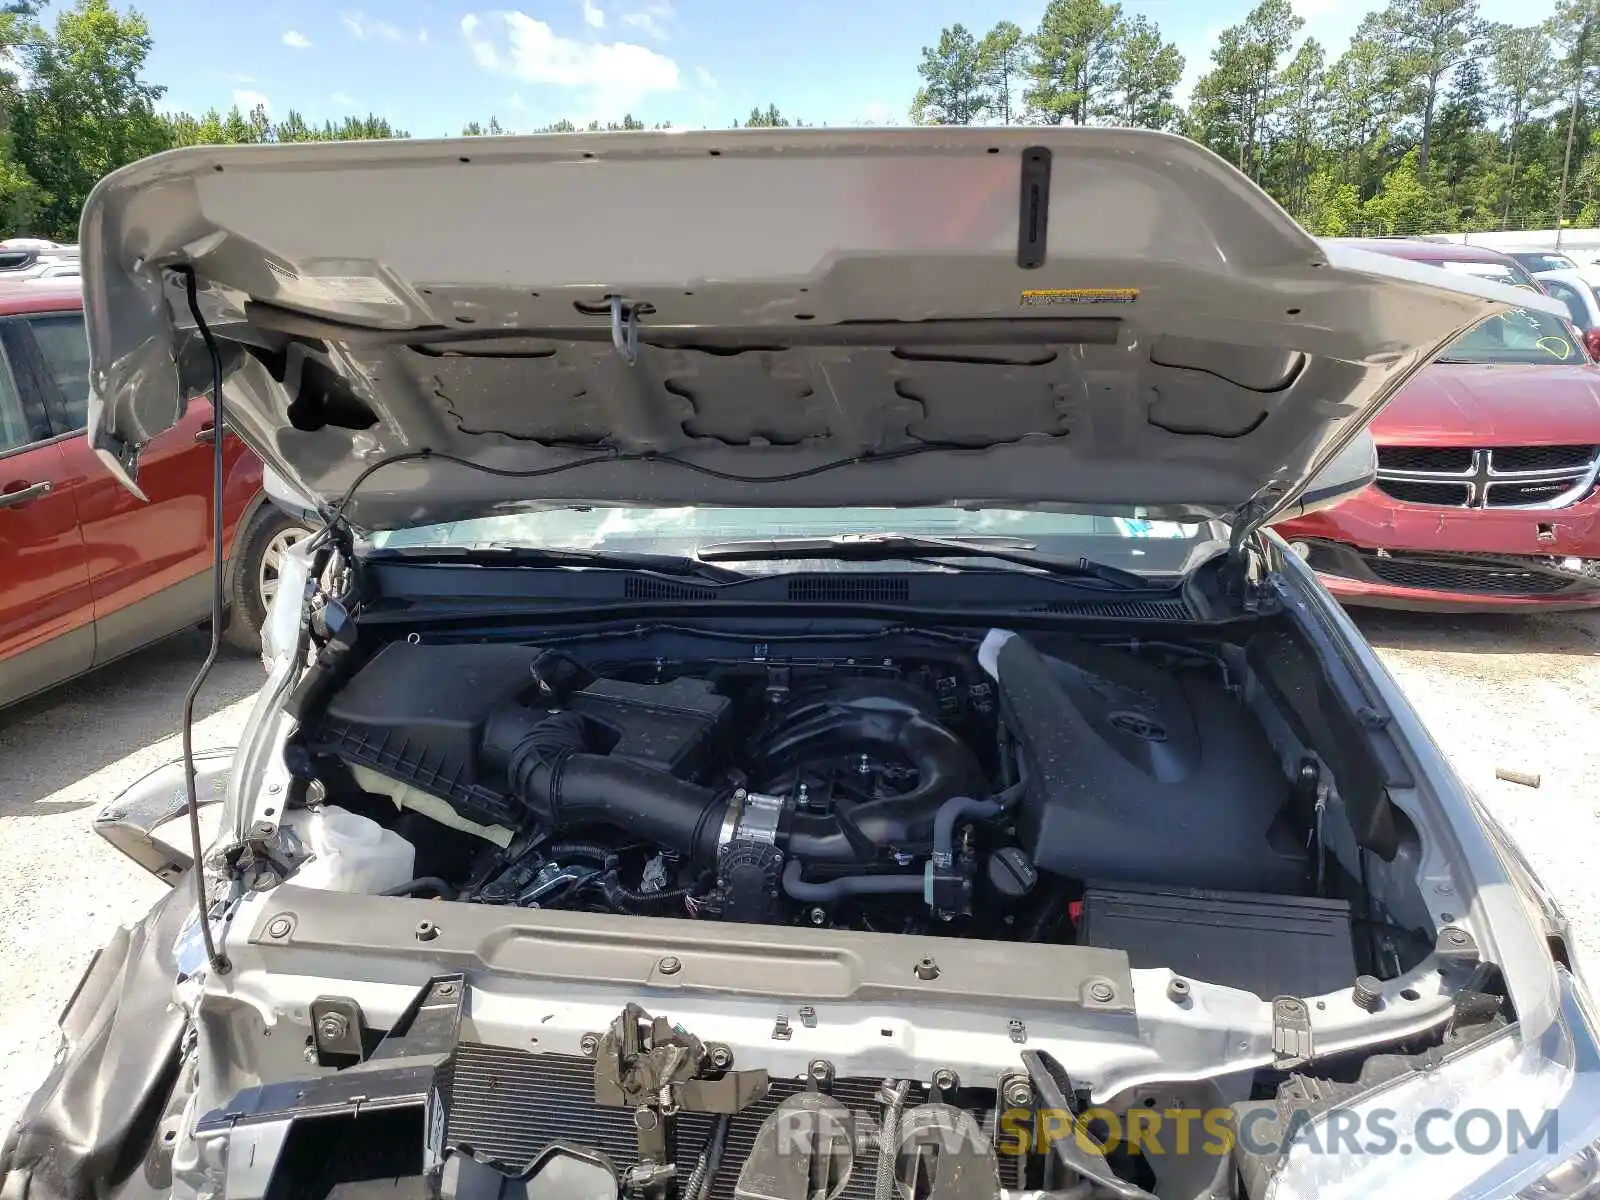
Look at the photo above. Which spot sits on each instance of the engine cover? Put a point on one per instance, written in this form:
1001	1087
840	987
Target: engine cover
1139	773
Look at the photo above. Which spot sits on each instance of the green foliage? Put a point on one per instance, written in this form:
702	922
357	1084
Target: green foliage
86	109
237	128
770	118
1074	61
1428	39
1144	75
955	76
1235	101
1430	119
1002	55
1332	208
1403	203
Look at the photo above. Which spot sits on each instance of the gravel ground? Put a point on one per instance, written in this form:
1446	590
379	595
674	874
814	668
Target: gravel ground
1495	691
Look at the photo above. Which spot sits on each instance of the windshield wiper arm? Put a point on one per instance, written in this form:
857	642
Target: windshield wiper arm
495	553
873	547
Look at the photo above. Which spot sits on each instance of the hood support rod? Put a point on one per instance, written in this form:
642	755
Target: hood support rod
217	960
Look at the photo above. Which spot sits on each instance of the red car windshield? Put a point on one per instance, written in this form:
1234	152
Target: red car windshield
1540	261
1506	271
1519	336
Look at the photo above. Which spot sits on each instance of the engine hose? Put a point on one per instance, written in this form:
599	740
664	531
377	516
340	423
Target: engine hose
889	1139
848	885
1006	797
548	768
944	823
587	850
423	883
619	895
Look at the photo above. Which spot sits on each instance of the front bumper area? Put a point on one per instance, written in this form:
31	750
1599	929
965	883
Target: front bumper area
1378	551
1440	581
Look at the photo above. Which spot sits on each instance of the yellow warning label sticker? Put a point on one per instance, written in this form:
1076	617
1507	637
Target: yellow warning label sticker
1039	296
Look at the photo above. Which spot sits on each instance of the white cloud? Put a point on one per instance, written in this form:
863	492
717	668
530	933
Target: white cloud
517	103
248	100
881	112
296	40
593	15
612	76
482	48
705	79
345	100
239	77
651	19
366	28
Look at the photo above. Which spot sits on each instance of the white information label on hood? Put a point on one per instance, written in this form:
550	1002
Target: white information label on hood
333	287
355	289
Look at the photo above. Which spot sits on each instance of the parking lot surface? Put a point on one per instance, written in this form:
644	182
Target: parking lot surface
1514	692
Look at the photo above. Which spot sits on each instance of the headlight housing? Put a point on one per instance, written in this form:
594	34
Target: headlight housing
1509	1117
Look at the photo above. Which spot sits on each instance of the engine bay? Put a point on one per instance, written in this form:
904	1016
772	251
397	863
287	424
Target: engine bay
994	785
977	873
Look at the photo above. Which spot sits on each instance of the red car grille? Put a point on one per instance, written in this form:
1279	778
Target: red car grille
1466	574
1496	477
1467	577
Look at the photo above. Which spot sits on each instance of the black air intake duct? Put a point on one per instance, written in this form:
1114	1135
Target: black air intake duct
548	769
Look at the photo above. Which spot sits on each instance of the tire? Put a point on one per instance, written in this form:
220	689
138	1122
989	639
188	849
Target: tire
253	580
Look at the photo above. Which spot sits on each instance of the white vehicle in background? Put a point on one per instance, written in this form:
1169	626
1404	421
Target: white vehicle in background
36	261
1540	260
56	270
1582	261
1575	290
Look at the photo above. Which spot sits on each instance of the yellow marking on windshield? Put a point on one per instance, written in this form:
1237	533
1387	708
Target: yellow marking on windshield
1559	347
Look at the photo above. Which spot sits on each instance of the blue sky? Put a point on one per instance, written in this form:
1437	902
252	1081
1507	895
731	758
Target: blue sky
430	65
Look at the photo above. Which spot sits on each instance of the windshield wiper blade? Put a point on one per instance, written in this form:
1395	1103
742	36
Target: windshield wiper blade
874	547
495	553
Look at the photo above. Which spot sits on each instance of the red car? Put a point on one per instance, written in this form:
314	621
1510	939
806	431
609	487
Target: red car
1487	464
87	571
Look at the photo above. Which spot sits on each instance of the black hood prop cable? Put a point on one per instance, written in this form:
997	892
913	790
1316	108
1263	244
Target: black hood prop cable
217	960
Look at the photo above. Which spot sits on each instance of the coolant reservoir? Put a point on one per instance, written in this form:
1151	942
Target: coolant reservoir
353	853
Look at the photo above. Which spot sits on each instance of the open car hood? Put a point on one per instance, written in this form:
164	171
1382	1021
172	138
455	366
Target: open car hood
1069	318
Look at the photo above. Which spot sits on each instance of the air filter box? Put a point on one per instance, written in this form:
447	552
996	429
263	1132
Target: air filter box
1269	945
416	713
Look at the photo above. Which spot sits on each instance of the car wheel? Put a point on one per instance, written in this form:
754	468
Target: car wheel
255	573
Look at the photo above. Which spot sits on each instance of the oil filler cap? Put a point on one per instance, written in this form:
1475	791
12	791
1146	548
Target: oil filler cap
1011	874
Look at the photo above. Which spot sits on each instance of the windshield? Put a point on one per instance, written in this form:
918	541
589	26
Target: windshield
1519	336
1155	547
1498	272
1545	262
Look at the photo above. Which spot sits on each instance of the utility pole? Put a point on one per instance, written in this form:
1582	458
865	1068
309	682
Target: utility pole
1580	57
